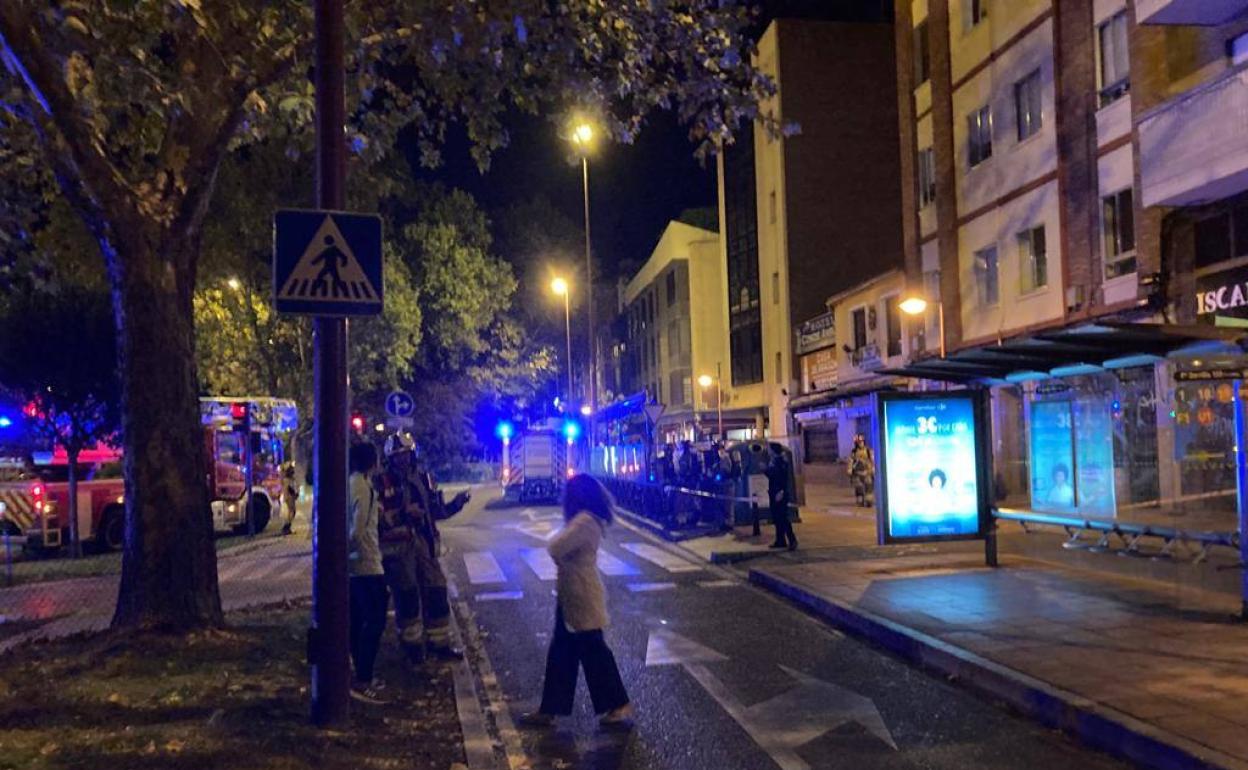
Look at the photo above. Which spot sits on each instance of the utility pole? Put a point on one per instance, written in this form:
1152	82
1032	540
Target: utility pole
327	642
589	299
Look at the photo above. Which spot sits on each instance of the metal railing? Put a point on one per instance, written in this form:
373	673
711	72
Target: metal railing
1129	534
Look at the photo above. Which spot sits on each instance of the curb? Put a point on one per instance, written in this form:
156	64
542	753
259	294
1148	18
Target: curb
1093	724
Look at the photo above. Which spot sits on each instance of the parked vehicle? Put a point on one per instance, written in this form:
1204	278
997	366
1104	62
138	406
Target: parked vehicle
34	495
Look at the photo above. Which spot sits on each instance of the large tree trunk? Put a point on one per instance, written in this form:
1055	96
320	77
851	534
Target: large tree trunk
169	566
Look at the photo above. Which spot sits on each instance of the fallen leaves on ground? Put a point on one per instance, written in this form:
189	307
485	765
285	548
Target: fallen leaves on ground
234	697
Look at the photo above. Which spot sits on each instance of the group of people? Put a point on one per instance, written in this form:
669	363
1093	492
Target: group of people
393	553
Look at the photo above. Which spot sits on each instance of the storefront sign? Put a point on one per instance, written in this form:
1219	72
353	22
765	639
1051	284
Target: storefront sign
929	484
1203	375
819	370
818	332
1223	293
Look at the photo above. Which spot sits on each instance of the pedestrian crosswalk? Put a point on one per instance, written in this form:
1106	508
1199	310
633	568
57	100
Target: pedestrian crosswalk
489	569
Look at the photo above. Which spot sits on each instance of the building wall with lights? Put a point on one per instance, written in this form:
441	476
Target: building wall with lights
825	208
675	320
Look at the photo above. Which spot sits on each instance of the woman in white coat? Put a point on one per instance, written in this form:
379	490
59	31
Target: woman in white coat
581	614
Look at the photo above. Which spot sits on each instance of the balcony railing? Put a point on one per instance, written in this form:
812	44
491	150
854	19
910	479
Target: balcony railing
1204	12
1194	148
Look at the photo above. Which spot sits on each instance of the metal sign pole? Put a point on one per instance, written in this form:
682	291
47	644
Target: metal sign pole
328	643
249	480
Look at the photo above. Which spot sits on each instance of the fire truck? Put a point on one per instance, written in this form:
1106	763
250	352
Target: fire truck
539	461
35	495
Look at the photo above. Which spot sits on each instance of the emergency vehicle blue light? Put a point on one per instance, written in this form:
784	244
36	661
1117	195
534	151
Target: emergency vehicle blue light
571	430
504	430
5	421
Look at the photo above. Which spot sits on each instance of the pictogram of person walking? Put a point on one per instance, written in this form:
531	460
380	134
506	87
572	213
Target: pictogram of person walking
331	258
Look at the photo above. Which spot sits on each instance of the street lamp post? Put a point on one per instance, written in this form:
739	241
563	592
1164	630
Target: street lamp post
560	287
917	305
582	136
705	381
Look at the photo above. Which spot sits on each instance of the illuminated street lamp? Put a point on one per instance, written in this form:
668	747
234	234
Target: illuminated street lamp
916	305
705	381
581	134
560	287
234	283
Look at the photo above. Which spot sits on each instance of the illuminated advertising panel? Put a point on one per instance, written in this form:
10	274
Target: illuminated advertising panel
930	470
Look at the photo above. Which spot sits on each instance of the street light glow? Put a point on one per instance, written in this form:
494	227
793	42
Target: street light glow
234	284
559	286
587	410
913	305
706	380
582	134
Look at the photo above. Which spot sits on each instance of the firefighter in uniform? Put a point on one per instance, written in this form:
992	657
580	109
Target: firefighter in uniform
290	495
410	506
434	600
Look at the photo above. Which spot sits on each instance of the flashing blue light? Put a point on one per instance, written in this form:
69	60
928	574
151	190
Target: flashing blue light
571	430
5	422
504	430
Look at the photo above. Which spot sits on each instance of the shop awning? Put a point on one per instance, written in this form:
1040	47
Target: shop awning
1081	349
842	391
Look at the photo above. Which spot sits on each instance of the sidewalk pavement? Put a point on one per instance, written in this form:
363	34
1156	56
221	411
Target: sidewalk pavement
1154	671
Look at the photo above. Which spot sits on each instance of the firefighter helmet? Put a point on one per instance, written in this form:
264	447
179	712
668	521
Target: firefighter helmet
399	442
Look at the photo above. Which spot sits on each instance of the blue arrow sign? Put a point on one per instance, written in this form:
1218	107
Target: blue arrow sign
399	404
327	263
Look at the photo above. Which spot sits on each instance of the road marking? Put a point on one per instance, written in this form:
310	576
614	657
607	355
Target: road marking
717	583
499	596
779	725
639	588
540	562
483	568
665	559
610	565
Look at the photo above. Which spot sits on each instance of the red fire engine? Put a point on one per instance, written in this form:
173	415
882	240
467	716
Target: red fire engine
34	496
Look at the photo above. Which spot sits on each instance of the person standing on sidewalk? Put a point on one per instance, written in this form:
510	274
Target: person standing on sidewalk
399	543
778	494
367	581
581	614
434	600
290	495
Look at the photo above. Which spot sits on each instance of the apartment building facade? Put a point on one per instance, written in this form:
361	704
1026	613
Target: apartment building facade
806	215
673	328
1073	189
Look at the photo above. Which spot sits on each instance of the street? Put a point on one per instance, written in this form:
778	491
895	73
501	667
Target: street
722	674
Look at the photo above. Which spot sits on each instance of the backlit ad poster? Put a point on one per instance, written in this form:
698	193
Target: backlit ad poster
931	469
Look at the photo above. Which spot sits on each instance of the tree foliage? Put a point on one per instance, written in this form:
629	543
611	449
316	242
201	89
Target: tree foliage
132	106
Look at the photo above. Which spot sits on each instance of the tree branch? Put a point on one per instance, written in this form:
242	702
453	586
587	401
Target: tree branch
56	116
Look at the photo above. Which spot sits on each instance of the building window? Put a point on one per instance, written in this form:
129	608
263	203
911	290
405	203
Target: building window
779	368
671	288
973	12
1118	229
892	324
1033	262
927	176
858	323
1027	105
771	207
987	290
1221	237
775	288
741	233
922	56
1115	69
979	135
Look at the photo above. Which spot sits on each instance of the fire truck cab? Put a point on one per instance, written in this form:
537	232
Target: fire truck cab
227	424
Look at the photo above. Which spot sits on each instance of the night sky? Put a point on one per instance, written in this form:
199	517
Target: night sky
634	189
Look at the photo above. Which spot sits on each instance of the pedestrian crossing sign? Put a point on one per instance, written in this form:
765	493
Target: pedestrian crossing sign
327	263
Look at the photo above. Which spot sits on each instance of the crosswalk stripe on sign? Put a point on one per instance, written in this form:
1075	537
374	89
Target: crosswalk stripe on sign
328	271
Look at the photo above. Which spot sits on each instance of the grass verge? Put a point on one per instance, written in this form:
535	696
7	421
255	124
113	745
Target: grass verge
233	698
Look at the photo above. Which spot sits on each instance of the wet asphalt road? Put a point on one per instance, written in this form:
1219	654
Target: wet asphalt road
738	678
